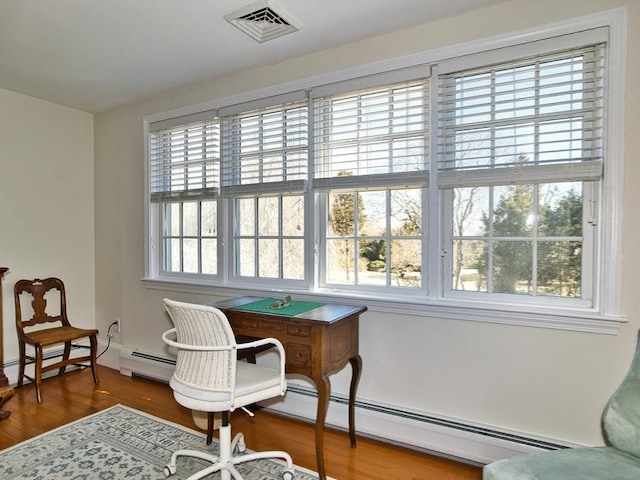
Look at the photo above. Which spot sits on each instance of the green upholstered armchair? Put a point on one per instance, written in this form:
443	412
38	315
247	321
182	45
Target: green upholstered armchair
619	460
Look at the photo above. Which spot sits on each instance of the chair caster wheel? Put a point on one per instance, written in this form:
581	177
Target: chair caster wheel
168	470
287	475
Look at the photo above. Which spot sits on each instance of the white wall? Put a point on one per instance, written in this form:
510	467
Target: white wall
535	381
46	204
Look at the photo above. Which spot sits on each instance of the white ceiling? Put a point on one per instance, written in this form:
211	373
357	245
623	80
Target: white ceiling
94	55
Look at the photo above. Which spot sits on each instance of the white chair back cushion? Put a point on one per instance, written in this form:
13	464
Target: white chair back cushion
203	326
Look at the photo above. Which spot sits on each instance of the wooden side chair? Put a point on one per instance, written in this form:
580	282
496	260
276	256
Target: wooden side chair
44	329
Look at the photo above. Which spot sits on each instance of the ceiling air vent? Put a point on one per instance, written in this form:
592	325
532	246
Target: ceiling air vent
262	21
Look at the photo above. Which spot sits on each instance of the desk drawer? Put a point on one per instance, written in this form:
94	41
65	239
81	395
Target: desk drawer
298	355
263	327
299	330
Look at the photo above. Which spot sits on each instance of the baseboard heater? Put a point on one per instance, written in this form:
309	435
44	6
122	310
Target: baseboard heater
147	365
137	363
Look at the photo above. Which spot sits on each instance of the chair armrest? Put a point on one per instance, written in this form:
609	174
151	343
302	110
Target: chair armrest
240	346
187	346
267	341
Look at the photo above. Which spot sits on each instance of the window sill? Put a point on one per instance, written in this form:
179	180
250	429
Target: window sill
557	319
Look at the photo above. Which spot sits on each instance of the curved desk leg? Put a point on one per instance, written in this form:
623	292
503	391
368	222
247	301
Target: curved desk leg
324	389
356	366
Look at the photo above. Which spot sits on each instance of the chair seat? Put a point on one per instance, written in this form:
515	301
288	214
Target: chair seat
56	335
570	464
254	383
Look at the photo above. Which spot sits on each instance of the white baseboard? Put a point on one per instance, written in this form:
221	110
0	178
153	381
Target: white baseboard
436	434
452	437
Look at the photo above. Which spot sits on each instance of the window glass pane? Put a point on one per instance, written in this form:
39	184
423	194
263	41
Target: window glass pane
268	258
406	263
246	219
512	211
406	212
268	218
340	261
190	219
373	261
342	209
173	257
470	211
190	255
560	209
293	259
245	257
470	260
372	208
209	256
512	267
372	266
293	217
209	219
172	226
559	269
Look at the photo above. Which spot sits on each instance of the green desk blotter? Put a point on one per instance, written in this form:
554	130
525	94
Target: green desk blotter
294	308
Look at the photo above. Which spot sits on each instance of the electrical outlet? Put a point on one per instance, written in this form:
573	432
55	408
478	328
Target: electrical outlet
116	326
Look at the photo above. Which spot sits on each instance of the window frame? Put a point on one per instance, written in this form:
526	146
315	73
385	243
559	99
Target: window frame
468	96
607	315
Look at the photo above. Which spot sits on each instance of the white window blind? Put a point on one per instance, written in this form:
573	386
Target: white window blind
265	150
526	121
185	161
372	137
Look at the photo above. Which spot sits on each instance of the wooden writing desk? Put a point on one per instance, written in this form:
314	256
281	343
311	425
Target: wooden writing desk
317	343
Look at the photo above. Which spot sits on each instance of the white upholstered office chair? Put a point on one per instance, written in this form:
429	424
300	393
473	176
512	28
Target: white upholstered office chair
209	378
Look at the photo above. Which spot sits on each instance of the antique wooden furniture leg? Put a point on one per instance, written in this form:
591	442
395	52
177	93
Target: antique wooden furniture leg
356	366
324	390
6	390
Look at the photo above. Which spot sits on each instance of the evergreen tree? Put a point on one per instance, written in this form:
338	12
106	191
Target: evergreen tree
511	258
560	262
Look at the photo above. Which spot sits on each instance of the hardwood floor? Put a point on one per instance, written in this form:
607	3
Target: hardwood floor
73	396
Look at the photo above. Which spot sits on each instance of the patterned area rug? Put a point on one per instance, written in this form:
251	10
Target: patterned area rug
120	443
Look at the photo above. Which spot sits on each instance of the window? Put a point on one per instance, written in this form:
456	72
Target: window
371	159
265	172
521	145
479	187
185	185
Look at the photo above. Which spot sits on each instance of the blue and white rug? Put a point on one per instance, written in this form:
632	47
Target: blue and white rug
120	443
